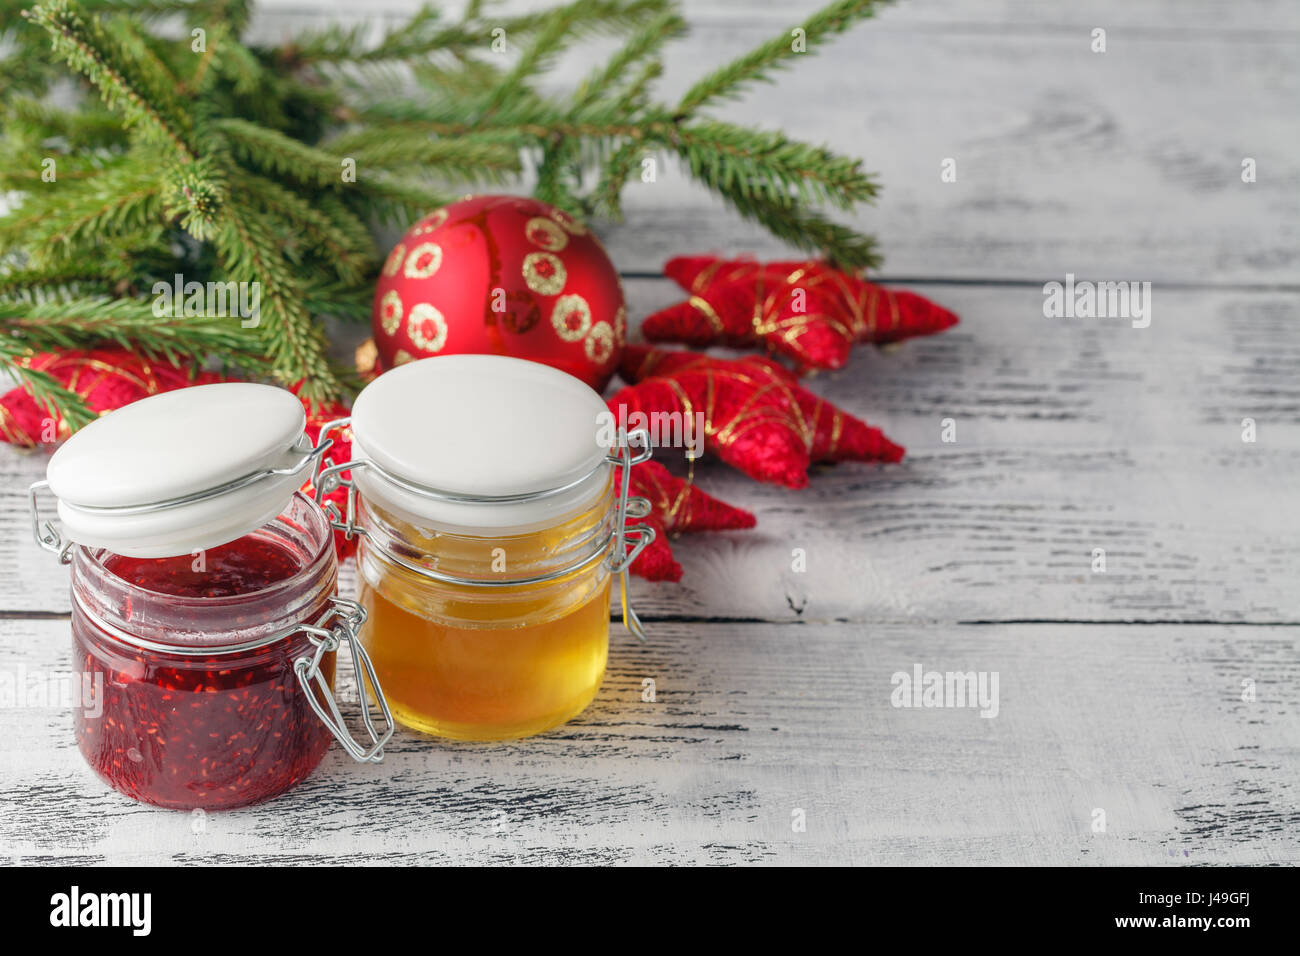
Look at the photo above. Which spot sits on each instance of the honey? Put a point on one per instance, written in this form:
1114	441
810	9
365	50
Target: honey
483	662
488	683
488	539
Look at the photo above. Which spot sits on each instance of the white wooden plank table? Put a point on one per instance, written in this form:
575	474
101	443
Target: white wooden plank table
1119	691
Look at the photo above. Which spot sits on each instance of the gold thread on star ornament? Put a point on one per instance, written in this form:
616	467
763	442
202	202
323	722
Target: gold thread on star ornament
544	273
571	318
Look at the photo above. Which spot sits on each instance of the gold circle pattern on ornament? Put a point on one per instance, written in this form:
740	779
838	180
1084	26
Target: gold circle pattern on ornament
571	225
426	328
571	318
599	343
423	261
402	357
544	273
435	219
620	325
394	261
390	312
545	233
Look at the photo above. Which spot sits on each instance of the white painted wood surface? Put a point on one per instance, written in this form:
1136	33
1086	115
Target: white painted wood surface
1119	691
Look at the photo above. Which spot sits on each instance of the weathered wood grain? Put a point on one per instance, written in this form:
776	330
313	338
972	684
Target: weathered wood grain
773	687
1124	165
1071	435
750	723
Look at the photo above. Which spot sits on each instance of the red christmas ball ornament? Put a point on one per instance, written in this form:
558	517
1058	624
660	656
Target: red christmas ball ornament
502	275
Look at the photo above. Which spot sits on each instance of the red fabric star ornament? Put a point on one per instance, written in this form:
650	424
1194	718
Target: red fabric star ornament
676	506
756	417
805	310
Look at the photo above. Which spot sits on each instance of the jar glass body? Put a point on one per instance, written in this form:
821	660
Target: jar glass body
190	661
496	657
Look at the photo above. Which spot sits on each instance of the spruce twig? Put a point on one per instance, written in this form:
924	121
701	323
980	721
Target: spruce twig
758	64
271	164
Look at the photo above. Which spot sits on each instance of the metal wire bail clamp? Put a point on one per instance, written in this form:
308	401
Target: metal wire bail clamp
45	533
341	623
621	558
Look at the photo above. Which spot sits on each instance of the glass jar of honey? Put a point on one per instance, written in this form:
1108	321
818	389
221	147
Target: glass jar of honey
492	513
206	617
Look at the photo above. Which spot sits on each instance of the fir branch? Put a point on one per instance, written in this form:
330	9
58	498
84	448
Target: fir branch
462	78
70	218
134	324
296	345
277	154
338	300
232	60
645	42
426	34
194	194
422	34
44	388
467	158
734	160
88	128
141	8
250	184
635	92
757	65
52	282
90	51
617	170
29	180
155	78
563	26
330	225
399	202
548	44
810	231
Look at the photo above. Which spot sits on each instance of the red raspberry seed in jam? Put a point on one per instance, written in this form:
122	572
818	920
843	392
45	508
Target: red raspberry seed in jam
213	731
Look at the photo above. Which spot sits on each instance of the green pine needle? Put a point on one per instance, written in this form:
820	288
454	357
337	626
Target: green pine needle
274	163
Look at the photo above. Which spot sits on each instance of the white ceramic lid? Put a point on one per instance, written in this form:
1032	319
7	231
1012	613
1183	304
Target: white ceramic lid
110	476
481	425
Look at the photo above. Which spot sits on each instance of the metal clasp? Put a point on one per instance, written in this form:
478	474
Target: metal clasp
344	620
46	535
327	476
621	557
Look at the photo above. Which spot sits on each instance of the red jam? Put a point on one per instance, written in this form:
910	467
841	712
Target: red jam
249	564
215	731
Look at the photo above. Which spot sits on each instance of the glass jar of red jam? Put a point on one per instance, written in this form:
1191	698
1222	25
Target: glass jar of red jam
214	665
198	664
